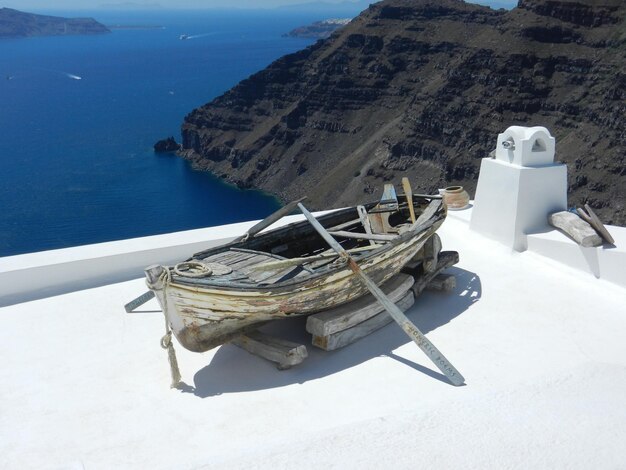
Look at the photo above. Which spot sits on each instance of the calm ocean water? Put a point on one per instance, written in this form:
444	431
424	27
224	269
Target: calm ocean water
76	157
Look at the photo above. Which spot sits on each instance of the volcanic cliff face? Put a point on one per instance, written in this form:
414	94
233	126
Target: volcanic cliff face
422	88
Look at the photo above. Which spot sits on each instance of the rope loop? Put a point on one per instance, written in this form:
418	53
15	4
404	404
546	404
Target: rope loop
193	269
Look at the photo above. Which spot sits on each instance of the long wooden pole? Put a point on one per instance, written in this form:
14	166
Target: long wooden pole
269	220
400	318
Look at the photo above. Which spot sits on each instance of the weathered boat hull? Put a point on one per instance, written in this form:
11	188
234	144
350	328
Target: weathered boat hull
202	318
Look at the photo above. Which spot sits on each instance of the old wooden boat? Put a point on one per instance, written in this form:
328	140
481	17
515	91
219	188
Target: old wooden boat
232	289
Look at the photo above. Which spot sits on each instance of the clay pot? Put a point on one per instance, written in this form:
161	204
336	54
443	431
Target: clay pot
455	198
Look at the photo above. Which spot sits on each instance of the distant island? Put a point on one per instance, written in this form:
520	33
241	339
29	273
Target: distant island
130	6
19	24
320	29
134	26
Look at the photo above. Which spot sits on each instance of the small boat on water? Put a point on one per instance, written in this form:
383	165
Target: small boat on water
182	37
232	289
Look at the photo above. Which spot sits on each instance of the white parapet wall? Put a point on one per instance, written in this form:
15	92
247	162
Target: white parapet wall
606	262
48	273
519	188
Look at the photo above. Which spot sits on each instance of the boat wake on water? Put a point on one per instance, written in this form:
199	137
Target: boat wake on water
60	72
194	36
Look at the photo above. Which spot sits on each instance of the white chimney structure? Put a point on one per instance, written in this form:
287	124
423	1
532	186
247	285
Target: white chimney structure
520	187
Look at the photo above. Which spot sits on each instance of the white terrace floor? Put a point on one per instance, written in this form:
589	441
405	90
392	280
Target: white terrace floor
543	349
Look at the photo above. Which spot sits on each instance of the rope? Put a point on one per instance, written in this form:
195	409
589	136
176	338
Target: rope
192	269
166	343
166	340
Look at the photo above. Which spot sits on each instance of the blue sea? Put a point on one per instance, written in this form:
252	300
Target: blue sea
79	116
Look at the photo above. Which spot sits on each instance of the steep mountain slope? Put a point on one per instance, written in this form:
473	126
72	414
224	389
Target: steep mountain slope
422	88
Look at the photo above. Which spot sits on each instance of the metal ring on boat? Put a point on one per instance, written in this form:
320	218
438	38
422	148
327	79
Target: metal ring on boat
192	269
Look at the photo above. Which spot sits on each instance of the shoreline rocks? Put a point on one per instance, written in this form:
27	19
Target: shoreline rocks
167	145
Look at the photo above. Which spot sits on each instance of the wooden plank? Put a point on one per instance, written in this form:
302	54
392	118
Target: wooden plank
257	252
345	337
272	277
408	192
432	247
436	356
364	236
431	210
442	283
576	228
355	312
365	222
287	262
599	226
254	260
285	354
216	258
446	259
345	225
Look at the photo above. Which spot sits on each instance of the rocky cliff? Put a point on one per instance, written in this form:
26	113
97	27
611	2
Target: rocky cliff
422	88
14	23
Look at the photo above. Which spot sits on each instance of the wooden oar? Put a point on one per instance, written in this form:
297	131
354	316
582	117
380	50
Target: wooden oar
139	301
408	192
269	220
400	318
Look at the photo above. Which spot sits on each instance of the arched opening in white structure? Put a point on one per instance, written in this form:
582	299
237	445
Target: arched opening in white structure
539	146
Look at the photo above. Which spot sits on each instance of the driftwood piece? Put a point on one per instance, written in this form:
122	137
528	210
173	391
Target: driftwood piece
598	225
284	353
576	228
442	283
446	259
345	337
355	312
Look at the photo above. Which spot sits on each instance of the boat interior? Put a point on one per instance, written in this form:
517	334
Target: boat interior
297	250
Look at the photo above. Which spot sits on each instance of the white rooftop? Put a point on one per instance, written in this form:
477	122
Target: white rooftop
541	345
